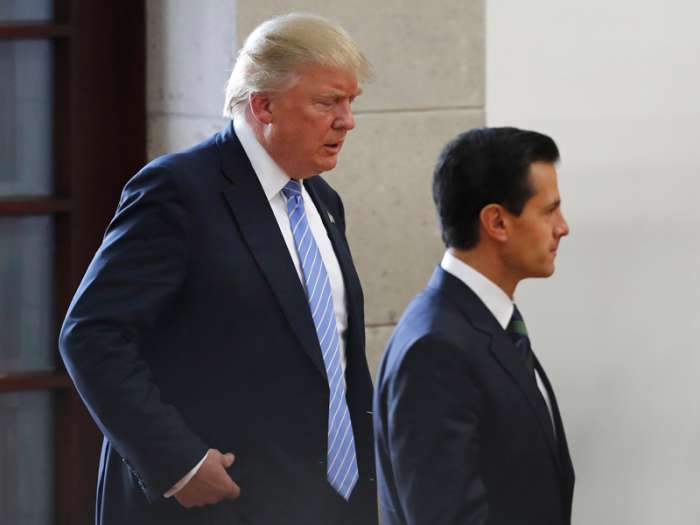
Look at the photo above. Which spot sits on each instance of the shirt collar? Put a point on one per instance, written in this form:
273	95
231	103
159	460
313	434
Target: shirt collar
493	297
272	177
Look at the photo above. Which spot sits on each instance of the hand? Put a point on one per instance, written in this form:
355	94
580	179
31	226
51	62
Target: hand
211	483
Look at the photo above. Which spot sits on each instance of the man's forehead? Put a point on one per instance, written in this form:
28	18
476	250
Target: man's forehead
543	181
330	80
542	174
541	166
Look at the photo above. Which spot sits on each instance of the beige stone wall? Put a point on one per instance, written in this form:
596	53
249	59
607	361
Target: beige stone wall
429	67
190	50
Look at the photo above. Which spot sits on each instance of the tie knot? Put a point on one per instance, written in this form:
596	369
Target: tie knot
517	323
292	189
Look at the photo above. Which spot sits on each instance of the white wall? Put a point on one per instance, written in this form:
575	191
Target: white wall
617	85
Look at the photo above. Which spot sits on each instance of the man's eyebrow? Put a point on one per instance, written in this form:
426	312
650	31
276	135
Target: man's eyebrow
554	205
340	94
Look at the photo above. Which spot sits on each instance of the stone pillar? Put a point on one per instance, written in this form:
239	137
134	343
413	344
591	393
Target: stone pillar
190	52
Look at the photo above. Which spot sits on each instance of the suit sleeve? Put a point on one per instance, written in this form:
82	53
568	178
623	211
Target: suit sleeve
135	274
433	432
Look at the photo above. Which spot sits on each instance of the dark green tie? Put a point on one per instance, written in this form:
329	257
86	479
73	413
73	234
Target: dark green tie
518	333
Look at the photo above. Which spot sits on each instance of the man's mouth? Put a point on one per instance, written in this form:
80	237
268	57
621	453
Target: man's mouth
333	147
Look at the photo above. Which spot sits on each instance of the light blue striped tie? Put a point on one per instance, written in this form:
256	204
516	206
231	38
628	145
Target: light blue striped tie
341	466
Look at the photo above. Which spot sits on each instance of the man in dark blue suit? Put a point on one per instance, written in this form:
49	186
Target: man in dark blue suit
217	337
466	424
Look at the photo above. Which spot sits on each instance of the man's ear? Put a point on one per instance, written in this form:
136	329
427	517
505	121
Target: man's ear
493	222
260	107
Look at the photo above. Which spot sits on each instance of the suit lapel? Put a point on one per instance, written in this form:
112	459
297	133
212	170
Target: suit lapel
565	458
261	233
502	348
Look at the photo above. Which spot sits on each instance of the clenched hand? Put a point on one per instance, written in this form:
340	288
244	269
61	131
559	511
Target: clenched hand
211	483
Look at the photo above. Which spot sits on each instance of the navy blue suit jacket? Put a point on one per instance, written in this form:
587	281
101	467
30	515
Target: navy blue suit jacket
463	435
191	330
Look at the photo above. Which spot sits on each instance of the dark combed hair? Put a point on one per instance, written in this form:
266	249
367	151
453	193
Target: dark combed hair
485	166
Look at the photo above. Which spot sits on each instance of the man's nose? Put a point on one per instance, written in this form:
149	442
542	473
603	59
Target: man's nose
344	118
562	227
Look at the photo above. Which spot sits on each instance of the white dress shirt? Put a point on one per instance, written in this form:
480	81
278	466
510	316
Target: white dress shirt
494	298
273	179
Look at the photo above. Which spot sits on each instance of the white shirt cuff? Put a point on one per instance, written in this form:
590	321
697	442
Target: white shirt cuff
178	486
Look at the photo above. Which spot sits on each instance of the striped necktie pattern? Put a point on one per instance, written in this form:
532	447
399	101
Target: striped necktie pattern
341	466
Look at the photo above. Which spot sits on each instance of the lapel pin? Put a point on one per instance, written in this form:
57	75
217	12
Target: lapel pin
331	218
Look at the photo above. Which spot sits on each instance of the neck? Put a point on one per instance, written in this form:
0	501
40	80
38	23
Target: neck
489	265
261	133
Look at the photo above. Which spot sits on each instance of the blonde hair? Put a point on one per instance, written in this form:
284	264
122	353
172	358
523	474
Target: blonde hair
273	53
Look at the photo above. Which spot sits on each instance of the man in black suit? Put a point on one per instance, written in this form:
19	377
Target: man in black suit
467	428
217	337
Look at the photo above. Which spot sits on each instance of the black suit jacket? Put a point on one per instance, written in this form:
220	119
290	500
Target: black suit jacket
191	330
463	435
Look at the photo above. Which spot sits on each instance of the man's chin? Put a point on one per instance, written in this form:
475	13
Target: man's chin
543	272
316	171
326	164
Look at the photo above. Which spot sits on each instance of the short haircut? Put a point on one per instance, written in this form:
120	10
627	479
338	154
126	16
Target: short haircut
273	53
481	167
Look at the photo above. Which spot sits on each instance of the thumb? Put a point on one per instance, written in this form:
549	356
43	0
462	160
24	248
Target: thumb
228	459
233	491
